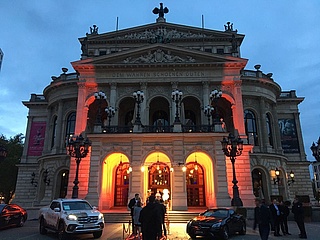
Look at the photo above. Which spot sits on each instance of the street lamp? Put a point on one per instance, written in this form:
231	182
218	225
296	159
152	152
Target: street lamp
138	97
277	179
176	97
232	147
110	113
99	96
3	153
214	97
316	150
208	111
78	147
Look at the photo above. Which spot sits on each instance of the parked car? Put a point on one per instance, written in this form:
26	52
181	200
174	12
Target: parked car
217	223
12	215
71	216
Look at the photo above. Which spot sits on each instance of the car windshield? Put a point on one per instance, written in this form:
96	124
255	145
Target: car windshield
218	213
79	205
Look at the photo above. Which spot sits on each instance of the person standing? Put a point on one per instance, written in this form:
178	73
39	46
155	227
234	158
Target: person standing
262	218
297	210
136	214
132	203
150	219
275	214
285	211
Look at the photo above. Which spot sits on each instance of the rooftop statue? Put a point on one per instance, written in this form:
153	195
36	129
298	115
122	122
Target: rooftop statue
161	11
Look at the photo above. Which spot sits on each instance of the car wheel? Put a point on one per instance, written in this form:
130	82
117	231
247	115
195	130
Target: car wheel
21	221
62	235
97	234
42	228
225	233
243	229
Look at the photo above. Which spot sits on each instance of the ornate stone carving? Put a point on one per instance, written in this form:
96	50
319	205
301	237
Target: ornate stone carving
158	56
164	33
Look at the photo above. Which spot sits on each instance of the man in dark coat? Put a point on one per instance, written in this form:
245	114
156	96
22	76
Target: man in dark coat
297	210
262	218
276	216
131	205
285	211
150	219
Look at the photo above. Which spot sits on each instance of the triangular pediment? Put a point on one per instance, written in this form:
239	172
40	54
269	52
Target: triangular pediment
159	54
167	31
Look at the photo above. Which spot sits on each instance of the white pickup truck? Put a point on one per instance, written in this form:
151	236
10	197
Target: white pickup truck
71	216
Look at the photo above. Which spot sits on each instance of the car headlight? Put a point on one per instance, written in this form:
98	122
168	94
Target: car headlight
216	225
100	216
72	217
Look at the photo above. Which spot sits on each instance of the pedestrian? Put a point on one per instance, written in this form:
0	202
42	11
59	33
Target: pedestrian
162	209
297	210
262	218
150	219
132	203
275	215
285	211
136	214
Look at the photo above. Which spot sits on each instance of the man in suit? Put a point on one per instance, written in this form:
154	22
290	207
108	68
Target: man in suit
262	218
297	210
131	205
276	216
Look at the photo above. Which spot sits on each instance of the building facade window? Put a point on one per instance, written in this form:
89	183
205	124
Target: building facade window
251	127
71	124
269	129
54	131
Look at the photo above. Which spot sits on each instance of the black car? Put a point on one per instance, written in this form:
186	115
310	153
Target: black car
217	223
12	215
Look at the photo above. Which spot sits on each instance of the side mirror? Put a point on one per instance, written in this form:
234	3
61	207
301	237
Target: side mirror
56	209
95	208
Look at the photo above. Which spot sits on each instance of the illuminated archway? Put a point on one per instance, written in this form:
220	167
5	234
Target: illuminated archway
201	159
195	185
110	183
121	184
156	164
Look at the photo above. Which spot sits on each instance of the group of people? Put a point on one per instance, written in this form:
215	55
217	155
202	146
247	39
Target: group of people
276	216
148	220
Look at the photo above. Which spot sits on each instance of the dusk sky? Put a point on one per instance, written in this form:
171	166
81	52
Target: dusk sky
38	38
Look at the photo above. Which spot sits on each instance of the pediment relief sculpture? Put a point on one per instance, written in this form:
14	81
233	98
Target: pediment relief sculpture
159	56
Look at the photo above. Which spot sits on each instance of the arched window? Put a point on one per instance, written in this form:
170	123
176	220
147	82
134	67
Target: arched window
251	127
195	185
159	177
71	124
54	131
64	176
269	129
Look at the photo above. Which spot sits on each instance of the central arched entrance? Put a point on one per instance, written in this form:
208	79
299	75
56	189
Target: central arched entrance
121	184
159	178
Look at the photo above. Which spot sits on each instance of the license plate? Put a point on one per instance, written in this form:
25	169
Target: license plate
199	232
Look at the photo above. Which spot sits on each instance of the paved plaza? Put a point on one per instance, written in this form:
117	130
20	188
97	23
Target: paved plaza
177	232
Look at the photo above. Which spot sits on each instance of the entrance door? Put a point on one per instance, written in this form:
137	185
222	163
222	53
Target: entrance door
159	178
195	185
121	184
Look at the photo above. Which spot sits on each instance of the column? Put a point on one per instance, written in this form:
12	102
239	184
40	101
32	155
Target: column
205	99
264	132
113	100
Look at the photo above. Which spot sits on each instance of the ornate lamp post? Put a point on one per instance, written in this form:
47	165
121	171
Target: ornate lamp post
78	147
176	97
138	97
214	97
316	150
110	113
232	147
3	153
99	96
208	111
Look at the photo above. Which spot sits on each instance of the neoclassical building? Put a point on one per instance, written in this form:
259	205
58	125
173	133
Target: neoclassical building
196	91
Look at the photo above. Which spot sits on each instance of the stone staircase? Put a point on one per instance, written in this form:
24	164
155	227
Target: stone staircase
172	216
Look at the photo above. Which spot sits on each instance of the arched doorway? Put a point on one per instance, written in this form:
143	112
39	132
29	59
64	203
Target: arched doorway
195	185
159	178
121	191
259	185
63	179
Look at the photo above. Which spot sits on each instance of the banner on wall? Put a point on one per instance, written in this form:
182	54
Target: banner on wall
289	138
36	140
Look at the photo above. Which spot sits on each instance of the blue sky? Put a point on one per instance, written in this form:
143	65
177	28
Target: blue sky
38	38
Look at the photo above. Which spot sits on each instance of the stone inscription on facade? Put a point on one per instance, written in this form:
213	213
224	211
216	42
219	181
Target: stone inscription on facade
157	74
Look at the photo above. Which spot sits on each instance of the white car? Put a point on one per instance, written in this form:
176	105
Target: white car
71	216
